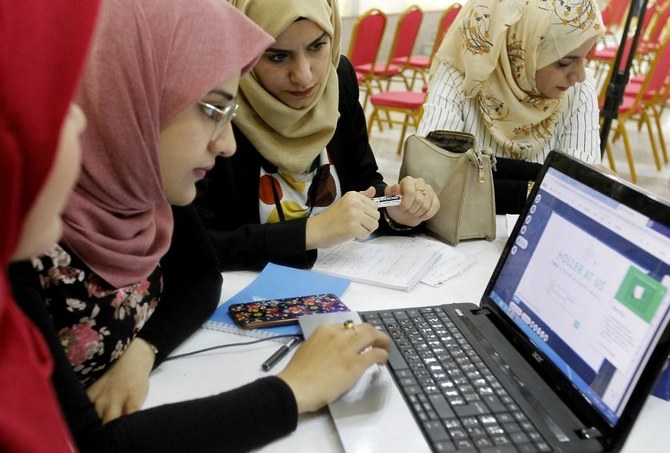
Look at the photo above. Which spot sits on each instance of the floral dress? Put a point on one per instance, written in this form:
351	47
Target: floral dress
94	321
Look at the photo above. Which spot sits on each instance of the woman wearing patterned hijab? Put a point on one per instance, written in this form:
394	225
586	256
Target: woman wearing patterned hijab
512	73
304	172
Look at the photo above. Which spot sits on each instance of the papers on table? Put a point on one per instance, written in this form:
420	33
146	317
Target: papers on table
450	264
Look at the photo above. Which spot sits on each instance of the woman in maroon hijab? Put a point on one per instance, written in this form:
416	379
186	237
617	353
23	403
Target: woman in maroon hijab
37	171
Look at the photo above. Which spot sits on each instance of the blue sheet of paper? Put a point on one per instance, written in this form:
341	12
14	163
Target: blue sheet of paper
276	282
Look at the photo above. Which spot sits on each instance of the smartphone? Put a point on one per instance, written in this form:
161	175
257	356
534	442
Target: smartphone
279	312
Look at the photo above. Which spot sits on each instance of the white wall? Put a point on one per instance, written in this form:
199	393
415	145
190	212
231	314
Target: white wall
432	12
356	7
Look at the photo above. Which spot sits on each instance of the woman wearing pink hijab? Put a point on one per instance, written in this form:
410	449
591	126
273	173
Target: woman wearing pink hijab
39	130
135	273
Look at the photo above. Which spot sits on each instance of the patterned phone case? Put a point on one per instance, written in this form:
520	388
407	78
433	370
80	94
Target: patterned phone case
276	312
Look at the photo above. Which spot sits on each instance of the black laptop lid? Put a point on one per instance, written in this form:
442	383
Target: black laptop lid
584	282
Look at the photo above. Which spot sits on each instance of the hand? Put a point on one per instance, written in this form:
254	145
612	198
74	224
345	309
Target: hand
419	202
124	386
330	361
354	216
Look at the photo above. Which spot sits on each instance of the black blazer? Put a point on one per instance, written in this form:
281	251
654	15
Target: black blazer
228	197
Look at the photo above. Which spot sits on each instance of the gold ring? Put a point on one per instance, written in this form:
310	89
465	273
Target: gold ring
349	325
422	190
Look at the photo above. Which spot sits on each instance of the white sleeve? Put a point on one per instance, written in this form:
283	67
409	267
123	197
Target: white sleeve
443	108
580	135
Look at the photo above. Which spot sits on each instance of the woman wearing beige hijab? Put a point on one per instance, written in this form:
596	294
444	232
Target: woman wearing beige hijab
304	173
135	274
512	73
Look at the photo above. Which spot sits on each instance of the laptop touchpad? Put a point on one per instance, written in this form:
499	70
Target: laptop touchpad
372	416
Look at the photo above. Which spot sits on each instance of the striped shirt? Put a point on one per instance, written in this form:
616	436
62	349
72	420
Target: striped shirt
576	133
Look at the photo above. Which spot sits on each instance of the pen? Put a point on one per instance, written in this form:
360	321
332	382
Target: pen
391	200
280	353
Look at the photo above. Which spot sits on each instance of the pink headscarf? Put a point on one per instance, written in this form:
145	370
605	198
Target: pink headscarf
151	60
37	82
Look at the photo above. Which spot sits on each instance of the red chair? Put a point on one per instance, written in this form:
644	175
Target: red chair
604	57
420	64
407	103
614	14
641	100
401	48
366	40
406	33
651	40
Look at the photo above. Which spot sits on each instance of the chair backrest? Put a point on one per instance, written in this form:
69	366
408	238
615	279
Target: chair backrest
405	35
615	13
649	13
446	20
657	80
664	93
657	25
657	76
366	38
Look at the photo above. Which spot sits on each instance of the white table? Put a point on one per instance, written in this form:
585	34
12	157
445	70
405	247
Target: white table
213	372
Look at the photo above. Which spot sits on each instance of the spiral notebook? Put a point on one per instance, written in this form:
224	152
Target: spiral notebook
379	264
276	282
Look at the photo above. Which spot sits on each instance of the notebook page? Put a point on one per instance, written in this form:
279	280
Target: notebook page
378	264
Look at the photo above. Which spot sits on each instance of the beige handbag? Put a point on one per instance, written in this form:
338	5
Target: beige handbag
461	176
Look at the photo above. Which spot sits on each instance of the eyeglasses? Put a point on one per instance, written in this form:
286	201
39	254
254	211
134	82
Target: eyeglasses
221	116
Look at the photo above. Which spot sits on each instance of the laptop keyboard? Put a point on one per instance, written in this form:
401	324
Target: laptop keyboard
454	396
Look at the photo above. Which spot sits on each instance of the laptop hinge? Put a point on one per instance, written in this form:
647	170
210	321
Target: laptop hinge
589	433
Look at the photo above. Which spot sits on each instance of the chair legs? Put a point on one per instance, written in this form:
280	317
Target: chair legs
654	149
389	79
644	118
415	72
657	119
411	117
367	86
621	129
610	157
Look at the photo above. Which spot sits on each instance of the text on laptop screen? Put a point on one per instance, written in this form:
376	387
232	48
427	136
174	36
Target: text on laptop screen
592	300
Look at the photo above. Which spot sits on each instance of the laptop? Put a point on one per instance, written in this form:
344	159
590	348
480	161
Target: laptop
563	348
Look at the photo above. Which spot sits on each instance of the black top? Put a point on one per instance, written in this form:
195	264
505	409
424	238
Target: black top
228	196
227	421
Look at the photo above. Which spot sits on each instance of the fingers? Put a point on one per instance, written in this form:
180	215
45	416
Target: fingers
108	410
367	336
331	360
111	413
419	202
112	408
111	405
132	405
354	216
366	346
359	215
419	196
392	190
369	192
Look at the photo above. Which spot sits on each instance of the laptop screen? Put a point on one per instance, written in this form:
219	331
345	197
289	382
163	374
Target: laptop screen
587	279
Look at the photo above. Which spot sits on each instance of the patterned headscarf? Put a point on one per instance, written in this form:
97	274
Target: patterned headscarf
151	60
290	138
499	45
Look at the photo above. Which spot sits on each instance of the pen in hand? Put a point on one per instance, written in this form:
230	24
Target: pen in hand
389	200
280	353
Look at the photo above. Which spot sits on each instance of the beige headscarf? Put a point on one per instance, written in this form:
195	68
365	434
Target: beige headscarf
290	138
499	44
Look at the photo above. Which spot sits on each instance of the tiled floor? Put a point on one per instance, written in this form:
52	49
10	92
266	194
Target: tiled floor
385	143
